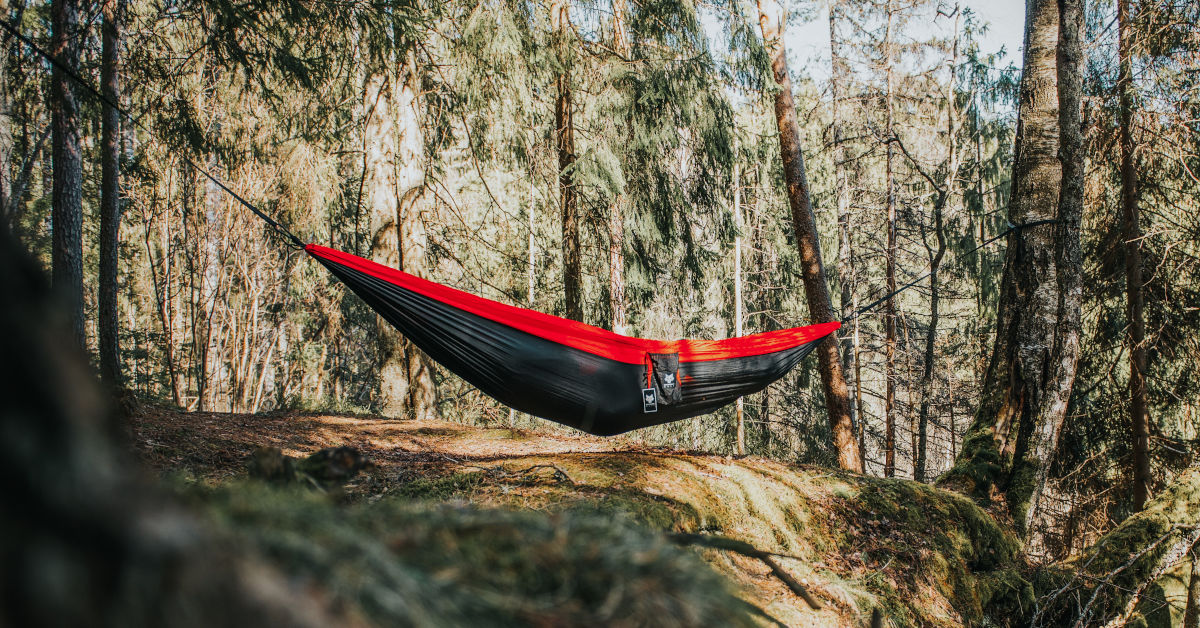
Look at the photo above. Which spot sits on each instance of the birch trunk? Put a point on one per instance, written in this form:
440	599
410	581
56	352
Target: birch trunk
837	397
1028	382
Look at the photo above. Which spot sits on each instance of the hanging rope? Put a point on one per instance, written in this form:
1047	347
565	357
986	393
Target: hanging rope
289	237
1011	228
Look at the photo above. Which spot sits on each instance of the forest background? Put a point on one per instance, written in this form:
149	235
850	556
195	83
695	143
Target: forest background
616	163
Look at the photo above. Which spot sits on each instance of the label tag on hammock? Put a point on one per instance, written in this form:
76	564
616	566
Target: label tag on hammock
649	400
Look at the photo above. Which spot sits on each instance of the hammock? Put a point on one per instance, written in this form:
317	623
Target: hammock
565	371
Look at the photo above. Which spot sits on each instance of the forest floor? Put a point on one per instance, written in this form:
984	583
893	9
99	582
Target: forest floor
921	555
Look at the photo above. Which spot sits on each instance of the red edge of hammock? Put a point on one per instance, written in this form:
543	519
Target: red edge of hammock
578	335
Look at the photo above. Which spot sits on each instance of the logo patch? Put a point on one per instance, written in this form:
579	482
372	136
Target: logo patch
669	381
649	400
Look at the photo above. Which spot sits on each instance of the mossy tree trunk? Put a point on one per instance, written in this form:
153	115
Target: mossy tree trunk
1032	368
837	397
1106	583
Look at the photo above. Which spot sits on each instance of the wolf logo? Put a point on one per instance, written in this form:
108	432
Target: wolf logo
668	381
649	400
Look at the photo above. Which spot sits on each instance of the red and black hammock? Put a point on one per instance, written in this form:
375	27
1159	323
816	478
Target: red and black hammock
575	374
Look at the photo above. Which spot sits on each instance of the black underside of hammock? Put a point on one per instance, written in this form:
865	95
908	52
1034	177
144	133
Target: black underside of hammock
548	378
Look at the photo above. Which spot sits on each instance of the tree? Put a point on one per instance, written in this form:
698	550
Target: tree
67	201
889	308
944	192
110	197
838	78
564	134
837	397
1136	335
393	187
1032	369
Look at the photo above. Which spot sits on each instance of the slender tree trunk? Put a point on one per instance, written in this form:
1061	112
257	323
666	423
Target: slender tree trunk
564	133
1138	413
889	310
413	241
6	125
67	203
110	198
737	294
942	201
616	217
837	397
846	280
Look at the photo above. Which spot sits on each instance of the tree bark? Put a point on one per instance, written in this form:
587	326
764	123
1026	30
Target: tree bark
1027	386
564	133
110	199
1138	414
837	397
66	197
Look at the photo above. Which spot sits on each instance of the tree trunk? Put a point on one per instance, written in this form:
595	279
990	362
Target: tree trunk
616	217
1138	414
1032	368
564	133
840	72
110	199
837	397
6	124
889	310
935	263
413	242
67	207
379	194
1191	611
737	294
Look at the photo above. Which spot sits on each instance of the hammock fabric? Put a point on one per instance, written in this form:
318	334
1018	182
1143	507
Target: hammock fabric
563	370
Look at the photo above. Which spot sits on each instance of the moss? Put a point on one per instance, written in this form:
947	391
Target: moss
959	548
440	488
1131	553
